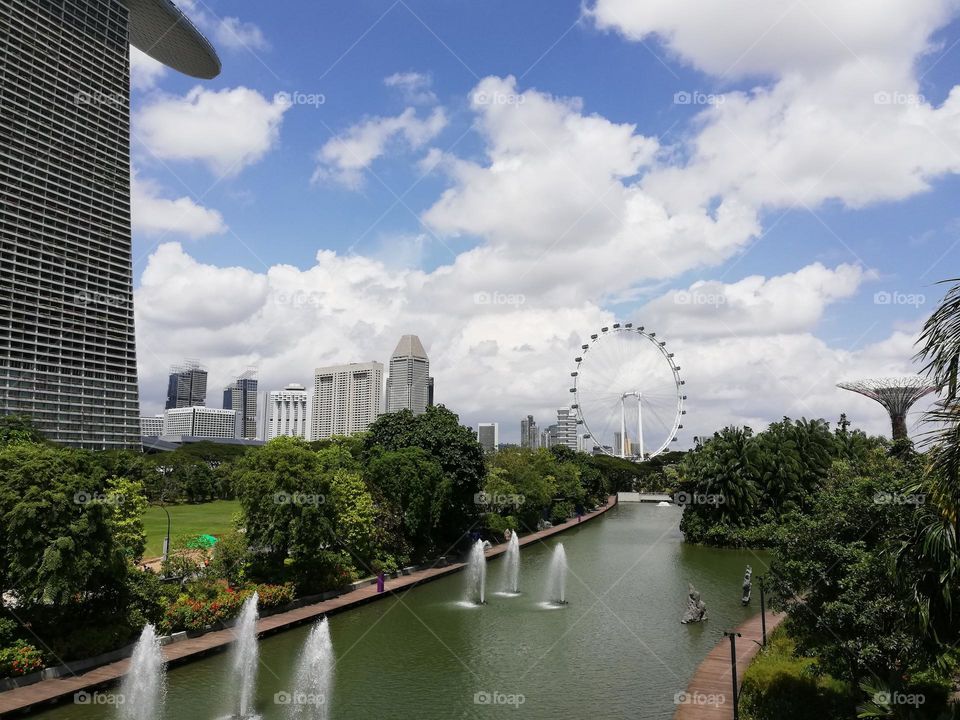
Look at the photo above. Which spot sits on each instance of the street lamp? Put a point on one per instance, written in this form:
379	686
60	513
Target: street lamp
763	612
733	670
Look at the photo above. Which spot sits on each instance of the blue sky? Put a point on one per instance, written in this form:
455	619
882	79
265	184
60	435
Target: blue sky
626	68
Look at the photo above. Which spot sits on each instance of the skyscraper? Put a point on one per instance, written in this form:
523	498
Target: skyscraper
187	386
529	433
488	435
241	395
286	413
567	428
409	384
67	355
346	399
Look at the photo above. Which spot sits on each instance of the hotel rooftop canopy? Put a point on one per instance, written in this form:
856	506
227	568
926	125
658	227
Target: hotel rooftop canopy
162	31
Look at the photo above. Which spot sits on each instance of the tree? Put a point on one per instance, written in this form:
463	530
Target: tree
522	483
18	429
127	503
355	518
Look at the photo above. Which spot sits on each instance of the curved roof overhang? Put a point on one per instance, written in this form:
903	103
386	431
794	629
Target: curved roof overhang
162	31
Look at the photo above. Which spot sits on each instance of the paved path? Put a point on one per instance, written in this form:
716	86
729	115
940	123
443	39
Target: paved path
710	693
61	689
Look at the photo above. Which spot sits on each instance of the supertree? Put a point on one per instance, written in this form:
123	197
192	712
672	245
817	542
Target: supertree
896	394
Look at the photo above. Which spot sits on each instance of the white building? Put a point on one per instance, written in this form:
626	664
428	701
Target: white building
409	384
346	399
200	421
488	435
286	413
151	426
567	428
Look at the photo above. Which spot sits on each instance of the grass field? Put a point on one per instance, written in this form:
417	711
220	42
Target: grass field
212	518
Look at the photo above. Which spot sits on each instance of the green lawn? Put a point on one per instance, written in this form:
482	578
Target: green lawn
212	518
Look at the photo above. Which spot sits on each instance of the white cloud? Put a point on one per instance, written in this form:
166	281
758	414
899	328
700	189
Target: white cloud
235	34
153	214
144	70
414	86
345	157
225	129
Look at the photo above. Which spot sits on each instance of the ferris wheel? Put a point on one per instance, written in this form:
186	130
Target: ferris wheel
628	394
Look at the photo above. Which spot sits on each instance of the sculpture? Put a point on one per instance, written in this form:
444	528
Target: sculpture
747	586
696	608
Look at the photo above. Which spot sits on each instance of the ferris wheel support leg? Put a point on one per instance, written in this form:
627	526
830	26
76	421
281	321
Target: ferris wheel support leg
623	427
640	423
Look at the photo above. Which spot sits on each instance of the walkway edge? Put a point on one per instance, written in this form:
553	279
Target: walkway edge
24	699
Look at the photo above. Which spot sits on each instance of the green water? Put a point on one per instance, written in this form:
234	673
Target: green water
617	650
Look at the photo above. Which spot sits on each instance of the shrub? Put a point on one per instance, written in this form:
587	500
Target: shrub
779	685
561	512
21	658
207	605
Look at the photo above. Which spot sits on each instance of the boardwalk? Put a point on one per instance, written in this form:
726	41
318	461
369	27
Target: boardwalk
709	695
62	689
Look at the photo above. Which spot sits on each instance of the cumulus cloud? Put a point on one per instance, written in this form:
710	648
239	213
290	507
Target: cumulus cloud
145	72
235	34
414	86
153	214
226	130
345	157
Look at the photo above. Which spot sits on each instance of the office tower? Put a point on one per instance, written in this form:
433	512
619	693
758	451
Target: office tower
346	399
187	385
286	413
241	395
151	426
529	433
200	422
488	435
67	355
567	428
549	437
409	384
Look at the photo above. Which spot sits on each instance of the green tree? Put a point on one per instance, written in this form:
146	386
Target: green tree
355	518
127	503
18	429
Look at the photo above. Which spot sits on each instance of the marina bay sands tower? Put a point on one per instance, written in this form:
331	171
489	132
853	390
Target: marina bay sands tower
67	354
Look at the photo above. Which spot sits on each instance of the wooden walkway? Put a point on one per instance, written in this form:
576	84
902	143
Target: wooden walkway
709	695
61	689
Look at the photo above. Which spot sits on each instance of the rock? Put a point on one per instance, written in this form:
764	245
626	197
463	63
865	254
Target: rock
696	608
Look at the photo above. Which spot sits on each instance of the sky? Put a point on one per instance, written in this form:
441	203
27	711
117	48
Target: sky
770	185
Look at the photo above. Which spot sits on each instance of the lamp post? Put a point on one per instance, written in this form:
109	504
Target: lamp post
733	671
763	613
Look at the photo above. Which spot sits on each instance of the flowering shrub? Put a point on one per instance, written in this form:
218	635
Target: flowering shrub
21	658
207	605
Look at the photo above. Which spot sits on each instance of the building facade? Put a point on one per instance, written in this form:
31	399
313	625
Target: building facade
529	433
346	399
488	435
286	413
151	426
200	422
67	354
186	386
409	385
241	396
567	429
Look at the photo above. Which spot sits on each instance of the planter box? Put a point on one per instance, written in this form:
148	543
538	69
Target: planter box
21	681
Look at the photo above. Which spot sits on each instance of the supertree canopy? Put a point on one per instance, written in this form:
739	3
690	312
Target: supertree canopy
896	394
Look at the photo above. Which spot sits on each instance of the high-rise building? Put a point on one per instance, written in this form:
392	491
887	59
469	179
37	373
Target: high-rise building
549	437
187	385
488	435
241	395
346	399
151	426
200	422
529	433
67	354
409	384
286	413
567	428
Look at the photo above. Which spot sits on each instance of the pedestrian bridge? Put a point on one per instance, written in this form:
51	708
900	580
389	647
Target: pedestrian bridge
643	497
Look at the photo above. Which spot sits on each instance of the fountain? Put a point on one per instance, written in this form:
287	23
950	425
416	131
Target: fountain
557	578
143	686
476	575
245	653
314	677
510	584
